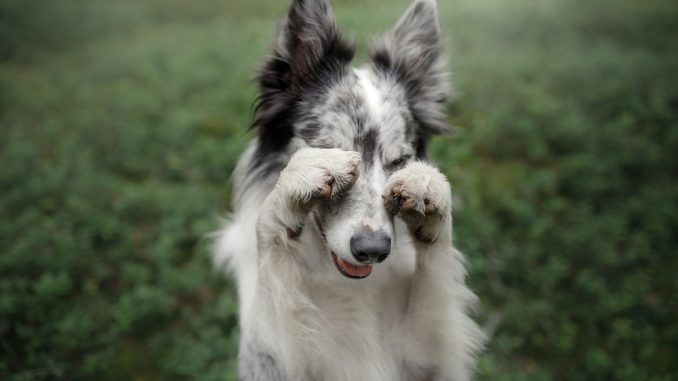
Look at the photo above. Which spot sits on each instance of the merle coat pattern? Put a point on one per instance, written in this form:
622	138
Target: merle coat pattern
341	237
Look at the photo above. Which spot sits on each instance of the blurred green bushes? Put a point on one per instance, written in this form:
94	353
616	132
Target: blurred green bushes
121	121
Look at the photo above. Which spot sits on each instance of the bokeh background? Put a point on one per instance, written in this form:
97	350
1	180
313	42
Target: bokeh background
120	123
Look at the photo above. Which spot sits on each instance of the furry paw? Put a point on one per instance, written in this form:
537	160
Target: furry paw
315	175
420	195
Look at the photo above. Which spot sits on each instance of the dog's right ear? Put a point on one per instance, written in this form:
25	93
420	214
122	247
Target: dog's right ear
308	48
309	42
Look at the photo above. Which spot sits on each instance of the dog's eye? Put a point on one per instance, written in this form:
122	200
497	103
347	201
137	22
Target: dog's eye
399	162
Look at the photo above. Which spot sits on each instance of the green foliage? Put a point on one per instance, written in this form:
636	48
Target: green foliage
120	123
564	166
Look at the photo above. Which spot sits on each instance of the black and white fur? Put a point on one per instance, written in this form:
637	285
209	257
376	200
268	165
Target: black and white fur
335	187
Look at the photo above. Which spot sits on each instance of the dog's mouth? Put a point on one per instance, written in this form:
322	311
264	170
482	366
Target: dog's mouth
350	270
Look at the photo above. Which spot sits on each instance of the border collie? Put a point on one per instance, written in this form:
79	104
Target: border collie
341	238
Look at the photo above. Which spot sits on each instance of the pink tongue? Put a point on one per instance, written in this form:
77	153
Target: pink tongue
355	270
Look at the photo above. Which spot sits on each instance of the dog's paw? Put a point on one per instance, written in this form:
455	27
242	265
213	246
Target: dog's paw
316	175
420	195
320	174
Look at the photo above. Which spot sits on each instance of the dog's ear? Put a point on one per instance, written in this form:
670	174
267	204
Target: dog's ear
412	52
308	49
309	41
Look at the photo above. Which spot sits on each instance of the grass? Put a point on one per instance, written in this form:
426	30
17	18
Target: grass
120	123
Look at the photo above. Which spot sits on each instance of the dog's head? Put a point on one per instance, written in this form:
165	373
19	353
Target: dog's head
386	110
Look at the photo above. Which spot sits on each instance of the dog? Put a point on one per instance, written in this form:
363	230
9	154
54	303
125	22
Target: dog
341	236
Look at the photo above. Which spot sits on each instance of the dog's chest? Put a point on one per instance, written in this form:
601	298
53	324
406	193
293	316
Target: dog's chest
366	336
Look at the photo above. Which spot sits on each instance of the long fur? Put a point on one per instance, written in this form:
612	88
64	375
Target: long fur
340	159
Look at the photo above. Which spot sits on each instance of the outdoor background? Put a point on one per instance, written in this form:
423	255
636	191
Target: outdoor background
120	123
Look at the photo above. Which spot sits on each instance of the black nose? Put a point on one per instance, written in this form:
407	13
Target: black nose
369	246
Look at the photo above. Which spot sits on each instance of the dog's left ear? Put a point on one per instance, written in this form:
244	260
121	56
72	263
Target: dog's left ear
412	53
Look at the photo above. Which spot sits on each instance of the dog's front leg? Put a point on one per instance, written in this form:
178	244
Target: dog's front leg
421	196
312	176
284	313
